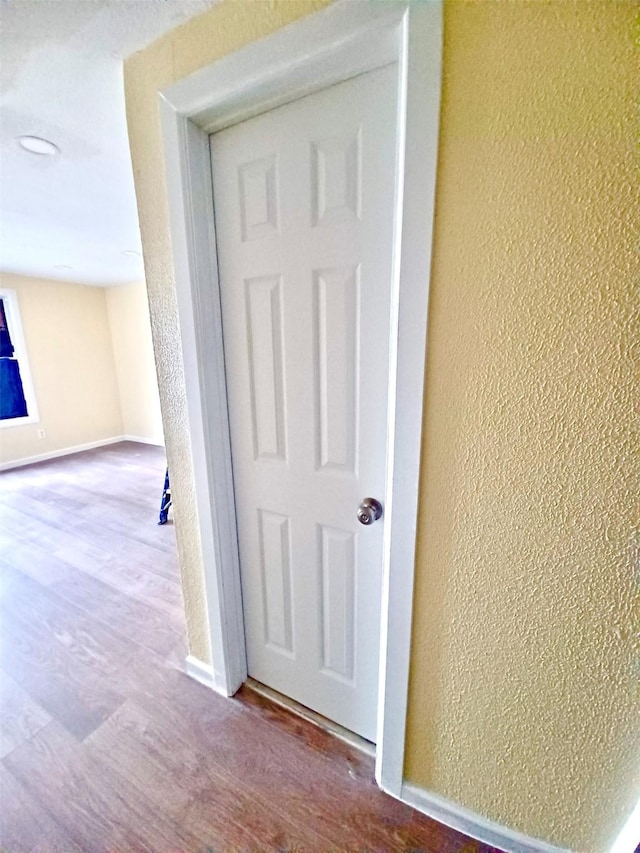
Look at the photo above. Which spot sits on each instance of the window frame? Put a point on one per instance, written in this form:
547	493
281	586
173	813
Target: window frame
14	322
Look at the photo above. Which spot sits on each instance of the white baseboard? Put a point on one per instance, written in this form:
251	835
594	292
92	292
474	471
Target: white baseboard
204	673
54	454
629	834
67	451
139	439
472	824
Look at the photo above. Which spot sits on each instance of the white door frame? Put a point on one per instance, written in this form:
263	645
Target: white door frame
346	39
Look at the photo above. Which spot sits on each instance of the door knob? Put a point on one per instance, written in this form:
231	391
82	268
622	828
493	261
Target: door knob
369	511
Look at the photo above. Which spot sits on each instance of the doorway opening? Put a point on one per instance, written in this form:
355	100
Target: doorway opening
335	45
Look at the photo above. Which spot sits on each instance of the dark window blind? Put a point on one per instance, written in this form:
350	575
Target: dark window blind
12	400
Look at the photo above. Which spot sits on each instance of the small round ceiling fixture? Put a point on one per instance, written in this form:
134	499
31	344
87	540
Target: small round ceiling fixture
37	145
131	253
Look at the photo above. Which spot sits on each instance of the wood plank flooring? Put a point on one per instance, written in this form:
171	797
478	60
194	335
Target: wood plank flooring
105	744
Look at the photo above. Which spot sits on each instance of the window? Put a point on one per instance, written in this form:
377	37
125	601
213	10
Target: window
17	400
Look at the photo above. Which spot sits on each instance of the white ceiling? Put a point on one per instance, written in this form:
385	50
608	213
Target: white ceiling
61	79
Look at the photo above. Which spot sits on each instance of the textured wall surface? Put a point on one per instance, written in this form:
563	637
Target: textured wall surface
68	342
197	43
128	313
524	702
523	699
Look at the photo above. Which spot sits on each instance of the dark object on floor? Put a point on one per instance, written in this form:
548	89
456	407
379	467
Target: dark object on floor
166	500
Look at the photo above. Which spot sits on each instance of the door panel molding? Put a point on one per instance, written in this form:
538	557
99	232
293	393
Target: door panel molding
318	355
347	39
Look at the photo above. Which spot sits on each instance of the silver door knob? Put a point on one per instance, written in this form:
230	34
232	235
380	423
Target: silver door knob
369	511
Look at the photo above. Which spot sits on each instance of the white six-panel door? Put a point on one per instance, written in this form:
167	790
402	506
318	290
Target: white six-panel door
304	199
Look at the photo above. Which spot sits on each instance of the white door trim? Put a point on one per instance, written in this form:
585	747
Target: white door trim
347	38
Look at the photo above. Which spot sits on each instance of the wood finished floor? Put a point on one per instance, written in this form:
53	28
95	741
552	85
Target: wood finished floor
105	744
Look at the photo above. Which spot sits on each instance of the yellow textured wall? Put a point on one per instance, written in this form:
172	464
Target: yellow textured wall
523	682
198	43
524	701
128	313
68	342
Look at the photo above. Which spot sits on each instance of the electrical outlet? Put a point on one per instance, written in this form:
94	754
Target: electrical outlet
42	433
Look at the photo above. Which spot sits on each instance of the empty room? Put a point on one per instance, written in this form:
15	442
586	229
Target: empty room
319	426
